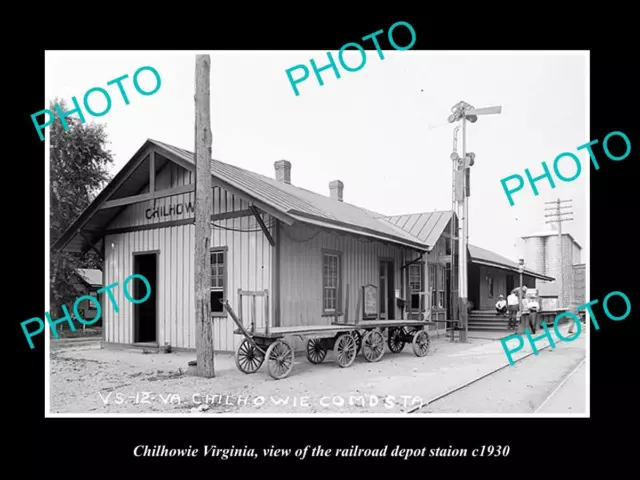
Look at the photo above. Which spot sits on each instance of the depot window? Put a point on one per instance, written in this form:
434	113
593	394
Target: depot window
218	280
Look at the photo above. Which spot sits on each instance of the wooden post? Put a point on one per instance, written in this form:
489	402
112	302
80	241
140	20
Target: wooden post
203	140
346	306
254	318
266	311
360	300
267	324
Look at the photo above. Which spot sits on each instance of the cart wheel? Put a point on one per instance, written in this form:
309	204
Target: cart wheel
420	343
315	351
373	345
279	359
345	349
395	342
358	338
248	358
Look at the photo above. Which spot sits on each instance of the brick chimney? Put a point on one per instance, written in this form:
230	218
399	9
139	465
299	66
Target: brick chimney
283	171
335	189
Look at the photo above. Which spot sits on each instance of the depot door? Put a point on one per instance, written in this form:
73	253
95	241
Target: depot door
386	291
145	313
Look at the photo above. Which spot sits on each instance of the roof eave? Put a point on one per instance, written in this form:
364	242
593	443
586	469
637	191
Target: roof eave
511	269
326	223
73	230
82	219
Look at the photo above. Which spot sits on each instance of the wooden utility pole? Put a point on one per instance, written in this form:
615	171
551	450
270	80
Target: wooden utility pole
557	217
204	332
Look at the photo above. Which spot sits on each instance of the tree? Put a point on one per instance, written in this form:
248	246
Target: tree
79	169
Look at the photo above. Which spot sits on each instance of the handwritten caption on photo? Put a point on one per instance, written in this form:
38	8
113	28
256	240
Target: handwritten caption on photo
319	451
574	318
79	300
547	173
363	54
139	398
117	81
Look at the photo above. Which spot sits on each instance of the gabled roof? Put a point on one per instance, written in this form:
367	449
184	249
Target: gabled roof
91	276
482	256
304	205
284	201
429	226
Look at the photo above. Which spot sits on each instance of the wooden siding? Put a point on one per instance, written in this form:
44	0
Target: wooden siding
487	302
438	254
174	295
301	270
248	264
169	177
438	257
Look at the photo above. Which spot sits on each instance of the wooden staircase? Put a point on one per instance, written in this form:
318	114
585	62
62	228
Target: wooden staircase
487	320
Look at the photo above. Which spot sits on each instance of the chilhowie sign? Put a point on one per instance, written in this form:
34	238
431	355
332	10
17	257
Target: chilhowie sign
164	211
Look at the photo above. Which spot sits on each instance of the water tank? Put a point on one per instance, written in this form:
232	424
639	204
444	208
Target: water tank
534	254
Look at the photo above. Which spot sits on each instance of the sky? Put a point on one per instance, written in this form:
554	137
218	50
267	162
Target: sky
382	130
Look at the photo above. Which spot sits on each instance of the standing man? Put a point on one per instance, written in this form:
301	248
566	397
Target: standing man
533	306
512	304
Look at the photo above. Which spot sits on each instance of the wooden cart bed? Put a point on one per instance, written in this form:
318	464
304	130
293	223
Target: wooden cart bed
366	324
306	330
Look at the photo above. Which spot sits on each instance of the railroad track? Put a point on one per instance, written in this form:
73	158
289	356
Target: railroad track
465	385
564	380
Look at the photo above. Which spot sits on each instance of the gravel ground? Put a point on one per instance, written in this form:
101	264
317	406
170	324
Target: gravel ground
524	386
87	379
569	398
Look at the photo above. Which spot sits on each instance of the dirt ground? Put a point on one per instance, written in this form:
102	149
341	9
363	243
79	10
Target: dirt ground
87	379
569	398
525	386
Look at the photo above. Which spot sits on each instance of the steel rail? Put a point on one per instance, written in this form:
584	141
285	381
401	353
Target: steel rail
465	385
555	390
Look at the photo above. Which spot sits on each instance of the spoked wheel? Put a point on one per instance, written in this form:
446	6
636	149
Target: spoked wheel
420	343
395	341
279	359
316	352
248	358
358	338
373	345
345	349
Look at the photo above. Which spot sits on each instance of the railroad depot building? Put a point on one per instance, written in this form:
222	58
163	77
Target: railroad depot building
312	253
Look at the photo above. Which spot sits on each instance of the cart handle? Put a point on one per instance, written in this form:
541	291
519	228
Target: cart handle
238	322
